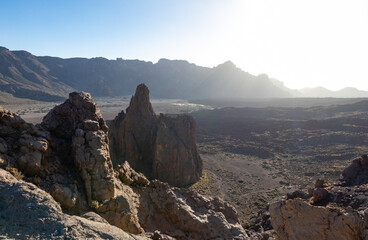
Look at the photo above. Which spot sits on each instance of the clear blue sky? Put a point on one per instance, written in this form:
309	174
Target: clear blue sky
302	43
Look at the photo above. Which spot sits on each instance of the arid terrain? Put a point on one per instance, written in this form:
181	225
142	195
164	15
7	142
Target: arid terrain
34	111
254	155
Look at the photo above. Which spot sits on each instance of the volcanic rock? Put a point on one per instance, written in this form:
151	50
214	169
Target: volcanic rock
329	211
27	212
357	172
132	135
185	214
176	158
296	219
161	148
22	143
78	125
74	166
130	177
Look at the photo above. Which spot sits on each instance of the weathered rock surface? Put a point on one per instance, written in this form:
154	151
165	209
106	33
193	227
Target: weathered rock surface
74	167
357	172
296	219
27	212
185	214
22	143
132	135
130	177
161	148
80	134
176	158
337	211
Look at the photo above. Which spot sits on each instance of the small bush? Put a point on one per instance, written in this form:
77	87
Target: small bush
15	172
94	204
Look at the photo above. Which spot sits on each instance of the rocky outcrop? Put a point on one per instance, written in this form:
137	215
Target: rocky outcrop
130	177
67	156
27	212
132	135
176	159
327	211
185	214
357	172
179	213
296	219
22	143
79	134
161	148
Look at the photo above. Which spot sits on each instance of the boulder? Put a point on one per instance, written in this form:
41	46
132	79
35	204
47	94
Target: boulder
185	214
356	173
64	195
130	177
118	212
296	219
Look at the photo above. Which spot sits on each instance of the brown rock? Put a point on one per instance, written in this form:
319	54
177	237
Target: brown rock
130	177
319	183
296	219
31	213
62	120
319	194
163	148
64	195
79	133
94	217
176	160
132	136
356	173
22	144
118	212
183	214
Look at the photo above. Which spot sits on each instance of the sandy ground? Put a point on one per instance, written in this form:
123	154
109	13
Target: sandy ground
241	180
109	107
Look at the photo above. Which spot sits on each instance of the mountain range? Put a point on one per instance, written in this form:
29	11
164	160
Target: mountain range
23	75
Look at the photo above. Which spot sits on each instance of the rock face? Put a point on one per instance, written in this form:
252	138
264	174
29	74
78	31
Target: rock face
67	158
22	143
337	211
176	159
161	148
27	212
132	135
67	155
80	134
184	214
296	219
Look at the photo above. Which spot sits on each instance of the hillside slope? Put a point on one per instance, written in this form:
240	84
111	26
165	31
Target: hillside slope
48	78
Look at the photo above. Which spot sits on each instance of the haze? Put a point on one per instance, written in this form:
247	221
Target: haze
302	43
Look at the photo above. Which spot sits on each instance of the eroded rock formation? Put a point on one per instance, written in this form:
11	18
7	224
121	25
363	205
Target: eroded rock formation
68	157
327	211
27	212
162	148
79	134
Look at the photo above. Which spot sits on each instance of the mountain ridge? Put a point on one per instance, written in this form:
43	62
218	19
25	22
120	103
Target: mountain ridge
46	78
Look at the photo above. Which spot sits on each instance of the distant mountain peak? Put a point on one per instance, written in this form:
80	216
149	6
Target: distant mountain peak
3	49
227	64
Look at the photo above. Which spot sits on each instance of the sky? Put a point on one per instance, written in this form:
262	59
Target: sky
302	43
